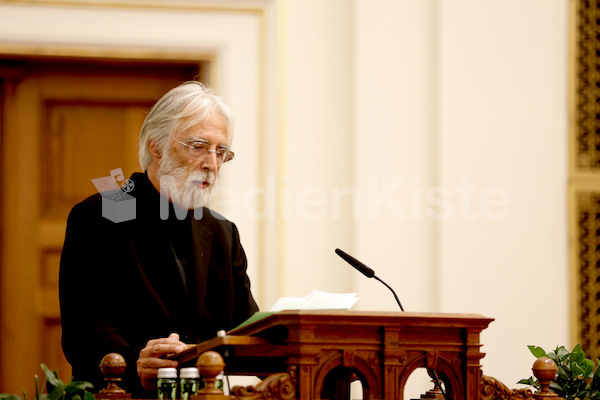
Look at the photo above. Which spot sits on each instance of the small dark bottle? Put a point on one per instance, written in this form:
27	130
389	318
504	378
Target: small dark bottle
189	382
167	383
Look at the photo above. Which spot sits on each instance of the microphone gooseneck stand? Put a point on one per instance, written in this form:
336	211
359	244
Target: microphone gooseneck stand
369	273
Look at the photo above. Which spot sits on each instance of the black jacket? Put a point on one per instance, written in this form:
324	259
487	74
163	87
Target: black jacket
120	285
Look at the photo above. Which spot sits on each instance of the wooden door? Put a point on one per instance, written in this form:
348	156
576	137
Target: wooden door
64	123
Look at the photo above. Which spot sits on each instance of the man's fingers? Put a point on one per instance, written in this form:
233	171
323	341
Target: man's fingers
172	339
159	350
163	346
153	364
162	349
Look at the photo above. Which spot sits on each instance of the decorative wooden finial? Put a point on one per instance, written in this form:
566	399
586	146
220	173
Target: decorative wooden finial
210	364
112	366
544	370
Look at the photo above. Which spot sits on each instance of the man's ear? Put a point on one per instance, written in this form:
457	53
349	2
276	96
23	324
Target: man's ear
155	151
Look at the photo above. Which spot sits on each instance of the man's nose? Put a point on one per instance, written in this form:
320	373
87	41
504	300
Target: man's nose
210	162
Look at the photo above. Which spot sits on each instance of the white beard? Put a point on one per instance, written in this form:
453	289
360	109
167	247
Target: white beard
179	188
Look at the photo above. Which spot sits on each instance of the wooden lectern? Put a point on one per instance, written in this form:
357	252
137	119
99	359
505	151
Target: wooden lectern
311	355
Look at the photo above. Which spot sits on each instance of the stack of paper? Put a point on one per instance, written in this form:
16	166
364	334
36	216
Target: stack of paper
317	300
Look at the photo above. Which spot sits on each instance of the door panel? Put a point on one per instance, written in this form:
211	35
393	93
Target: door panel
63	124
70	158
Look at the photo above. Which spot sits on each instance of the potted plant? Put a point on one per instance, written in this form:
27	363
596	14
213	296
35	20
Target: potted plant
575	377
56	389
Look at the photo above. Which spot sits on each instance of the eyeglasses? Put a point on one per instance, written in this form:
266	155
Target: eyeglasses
199	149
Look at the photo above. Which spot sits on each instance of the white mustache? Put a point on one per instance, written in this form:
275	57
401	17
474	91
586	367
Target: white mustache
208	177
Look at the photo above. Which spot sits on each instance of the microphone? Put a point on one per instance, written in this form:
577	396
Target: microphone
369	273
366	271
362	268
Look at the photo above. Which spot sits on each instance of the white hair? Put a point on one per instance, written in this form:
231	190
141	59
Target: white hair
182	107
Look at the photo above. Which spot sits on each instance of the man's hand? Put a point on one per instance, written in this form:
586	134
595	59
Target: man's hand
150	358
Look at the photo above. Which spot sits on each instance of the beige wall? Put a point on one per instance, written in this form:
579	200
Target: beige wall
458	124
444	120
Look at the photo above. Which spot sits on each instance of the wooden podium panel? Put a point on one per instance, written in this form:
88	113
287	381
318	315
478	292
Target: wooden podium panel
323	351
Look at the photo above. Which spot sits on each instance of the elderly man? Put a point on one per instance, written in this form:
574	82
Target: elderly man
174	274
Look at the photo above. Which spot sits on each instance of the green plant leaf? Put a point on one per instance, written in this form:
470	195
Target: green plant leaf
561	353
556	387
588	368
561	372
577	349
6	396
595	383
577	355
529	381
57	393
537	351
52	377
88	396
78	386
577	371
